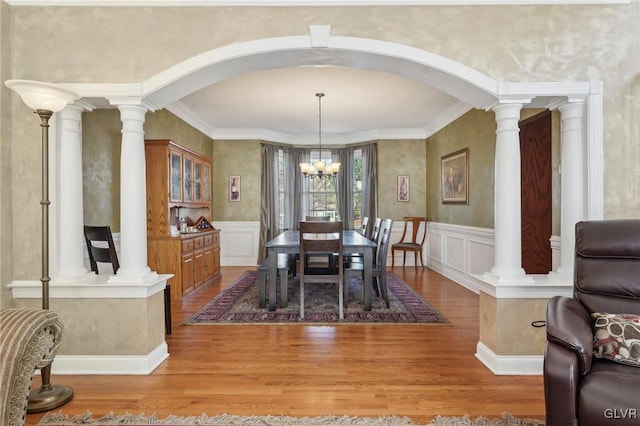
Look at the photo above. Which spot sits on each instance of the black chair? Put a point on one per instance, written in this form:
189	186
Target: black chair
379	271
592	355
321	238
100	247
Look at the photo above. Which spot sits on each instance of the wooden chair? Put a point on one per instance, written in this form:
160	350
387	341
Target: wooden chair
321	238
379	271
97	237
412	242
364	225
375	231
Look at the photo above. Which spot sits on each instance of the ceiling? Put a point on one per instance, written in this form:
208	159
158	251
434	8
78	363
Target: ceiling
280	105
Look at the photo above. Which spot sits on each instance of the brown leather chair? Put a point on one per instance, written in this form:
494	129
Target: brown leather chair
580	387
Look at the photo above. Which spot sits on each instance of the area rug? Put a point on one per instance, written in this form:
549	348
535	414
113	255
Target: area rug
59	419
238	303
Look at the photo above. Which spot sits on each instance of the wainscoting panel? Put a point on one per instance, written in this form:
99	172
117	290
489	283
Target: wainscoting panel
239	243
458	251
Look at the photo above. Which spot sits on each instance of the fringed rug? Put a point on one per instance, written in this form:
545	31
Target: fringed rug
238	303
59	419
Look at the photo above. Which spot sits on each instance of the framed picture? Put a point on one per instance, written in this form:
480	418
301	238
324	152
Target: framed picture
234	188
403	188
455	177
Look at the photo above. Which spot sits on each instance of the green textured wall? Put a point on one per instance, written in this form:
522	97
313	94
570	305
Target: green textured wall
402	157
237	158
474	130
101	139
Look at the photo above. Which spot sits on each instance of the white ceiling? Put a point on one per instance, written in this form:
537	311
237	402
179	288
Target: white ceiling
280	105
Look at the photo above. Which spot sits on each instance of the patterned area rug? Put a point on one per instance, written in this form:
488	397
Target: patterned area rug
238	303
59	419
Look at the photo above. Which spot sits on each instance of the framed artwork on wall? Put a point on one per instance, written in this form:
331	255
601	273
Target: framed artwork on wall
234	188
455	177
403	188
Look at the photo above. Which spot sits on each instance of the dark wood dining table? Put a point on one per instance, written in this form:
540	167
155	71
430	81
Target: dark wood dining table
352	242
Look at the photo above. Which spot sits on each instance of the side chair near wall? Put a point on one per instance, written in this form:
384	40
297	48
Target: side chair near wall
592	356
322	238
379	271
411	242
102	249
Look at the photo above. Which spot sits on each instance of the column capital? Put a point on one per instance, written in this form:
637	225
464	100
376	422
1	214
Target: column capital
133	101
568	102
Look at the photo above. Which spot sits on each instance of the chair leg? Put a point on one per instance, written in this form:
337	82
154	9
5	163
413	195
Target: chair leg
301	297
393	257
382	283
404	257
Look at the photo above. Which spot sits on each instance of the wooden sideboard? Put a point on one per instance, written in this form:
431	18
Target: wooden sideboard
193	258
179	185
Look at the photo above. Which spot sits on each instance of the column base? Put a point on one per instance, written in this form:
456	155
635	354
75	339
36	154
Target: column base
499	275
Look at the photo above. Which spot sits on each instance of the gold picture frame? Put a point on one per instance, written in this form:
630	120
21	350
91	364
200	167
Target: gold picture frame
454	172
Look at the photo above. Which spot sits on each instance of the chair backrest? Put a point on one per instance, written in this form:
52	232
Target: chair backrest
364	225
383	247
414	222
317	218
320	237
375	231
607	266
103	252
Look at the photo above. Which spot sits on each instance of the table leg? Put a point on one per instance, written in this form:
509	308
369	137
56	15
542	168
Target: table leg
273	276
368	277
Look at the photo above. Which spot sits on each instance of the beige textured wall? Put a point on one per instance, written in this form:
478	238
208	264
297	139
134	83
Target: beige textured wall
505	325
6	238
402	157
108	326
102	137
237	158
129	44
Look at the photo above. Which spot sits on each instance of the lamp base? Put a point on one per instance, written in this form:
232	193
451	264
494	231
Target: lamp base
48	397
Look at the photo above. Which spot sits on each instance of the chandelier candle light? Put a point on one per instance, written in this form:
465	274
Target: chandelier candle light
319	168
44	99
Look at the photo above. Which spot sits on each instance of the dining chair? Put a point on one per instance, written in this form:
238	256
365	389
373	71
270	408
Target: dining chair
101	248
364	224
326	259
412	241
375	231
320	237
379	271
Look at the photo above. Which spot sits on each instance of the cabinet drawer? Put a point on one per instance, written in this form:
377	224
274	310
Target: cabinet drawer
187	245
198	242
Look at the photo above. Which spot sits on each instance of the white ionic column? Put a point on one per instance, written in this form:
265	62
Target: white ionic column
133	197
572	204
507	229
69	210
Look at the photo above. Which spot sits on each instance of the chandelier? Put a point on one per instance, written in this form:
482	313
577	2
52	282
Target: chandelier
319	169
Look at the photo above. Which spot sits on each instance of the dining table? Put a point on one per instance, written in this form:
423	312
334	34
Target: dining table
352	242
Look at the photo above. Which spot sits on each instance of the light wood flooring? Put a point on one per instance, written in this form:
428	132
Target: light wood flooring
418	371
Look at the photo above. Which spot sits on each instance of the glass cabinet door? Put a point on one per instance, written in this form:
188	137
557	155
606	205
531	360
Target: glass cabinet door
206	182
175	176
187	187
197	175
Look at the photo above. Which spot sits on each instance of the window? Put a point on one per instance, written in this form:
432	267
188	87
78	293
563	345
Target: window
321	193
357	188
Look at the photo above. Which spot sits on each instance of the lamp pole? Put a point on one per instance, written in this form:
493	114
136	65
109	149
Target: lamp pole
45	99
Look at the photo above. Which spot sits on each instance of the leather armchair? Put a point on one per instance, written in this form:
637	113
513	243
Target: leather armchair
580	388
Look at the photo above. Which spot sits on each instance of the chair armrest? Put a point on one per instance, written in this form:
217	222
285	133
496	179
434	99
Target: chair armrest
569	325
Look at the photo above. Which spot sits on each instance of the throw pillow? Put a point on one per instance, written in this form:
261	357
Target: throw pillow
617	337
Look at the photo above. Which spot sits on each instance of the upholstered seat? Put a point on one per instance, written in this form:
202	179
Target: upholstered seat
590	379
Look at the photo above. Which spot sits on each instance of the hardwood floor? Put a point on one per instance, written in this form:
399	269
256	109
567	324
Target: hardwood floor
418	371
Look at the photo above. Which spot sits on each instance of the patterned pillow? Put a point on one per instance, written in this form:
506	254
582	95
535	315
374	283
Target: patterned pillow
617	337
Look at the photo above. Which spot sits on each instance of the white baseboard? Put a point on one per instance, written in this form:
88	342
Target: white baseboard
523	365
110	364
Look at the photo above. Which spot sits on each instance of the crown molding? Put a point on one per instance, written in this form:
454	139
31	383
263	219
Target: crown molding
303	3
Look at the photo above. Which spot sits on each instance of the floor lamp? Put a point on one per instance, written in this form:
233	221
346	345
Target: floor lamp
44	99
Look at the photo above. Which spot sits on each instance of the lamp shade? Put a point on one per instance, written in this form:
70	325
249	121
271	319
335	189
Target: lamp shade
39	95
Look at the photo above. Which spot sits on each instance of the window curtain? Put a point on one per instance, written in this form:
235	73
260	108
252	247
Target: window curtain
370	181
269	208
344	186
293	187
